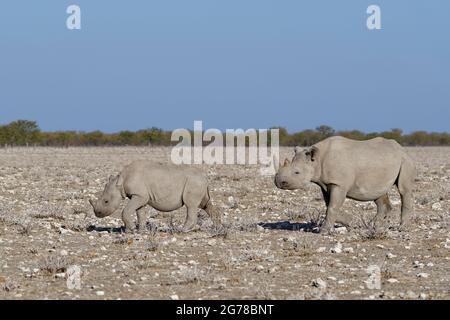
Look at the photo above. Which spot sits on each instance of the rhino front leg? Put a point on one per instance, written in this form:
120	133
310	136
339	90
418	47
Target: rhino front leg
135	204
337	196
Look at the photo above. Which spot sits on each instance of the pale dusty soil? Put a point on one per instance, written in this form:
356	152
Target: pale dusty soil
46	223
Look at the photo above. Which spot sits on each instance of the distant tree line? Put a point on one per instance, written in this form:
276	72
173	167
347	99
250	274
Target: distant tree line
24	132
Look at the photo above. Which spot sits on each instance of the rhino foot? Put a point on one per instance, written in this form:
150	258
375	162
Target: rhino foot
188	228
326	229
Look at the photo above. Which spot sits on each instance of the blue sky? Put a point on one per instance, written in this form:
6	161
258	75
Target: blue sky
231	63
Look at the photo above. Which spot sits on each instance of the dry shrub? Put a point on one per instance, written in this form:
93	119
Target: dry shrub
193	274
369	229
54	264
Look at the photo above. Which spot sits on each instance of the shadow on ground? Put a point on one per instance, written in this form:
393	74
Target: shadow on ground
286	225
92	228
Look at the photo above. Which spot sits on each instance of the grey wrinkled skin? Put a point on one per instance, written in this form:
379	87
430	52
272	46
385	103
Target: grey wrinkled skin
359	170
163	187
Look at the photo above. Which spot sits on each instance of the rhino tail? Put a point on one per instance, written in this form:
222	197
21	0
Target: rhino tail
211	210
206	200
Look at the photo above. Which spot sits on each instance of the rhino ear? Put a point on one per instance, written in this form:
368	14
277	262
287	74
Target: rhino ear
311	153
298	150
119	184
92	203
286	162
111	178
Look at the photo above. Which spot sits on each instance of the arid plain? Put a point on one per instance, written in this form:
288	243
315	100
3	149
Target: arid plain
267	248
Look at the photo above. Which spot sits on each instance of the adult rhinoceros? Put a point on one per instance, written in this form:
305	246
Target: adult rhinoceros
359	170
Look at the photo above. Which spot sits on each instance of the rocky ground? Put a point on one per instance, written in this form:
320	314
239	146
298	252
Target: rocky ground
267	248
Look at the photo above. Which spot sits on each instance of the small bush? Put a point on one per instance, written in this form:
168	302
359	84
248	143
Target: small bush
123	240
219	231
247	224
20	222
193	274
152	245
9	286
54	264
153	229
77	226
369	229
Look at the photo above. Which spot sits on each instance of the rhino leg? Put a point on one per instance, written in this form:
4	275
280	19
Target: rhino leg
337	198
136	203
191	218
384	209
405	184
342	219
326	196
213	213
193	195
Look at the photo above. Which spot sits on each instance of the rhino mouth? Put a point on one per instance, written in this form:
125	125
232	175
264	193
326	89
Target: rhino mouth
282	184
101	214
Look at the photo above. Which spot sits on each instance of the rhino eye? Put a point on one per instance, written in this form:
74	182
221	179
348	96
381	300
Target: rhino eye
106	201
297	172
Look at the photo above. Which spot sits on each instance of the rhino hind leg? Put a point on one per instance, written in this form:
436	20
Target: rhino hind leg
214	214
191	218
384	208
193	196
405	183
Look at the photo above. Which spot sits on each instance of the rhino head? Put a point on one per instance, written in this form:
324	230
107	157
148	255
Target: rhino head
299	172
110	200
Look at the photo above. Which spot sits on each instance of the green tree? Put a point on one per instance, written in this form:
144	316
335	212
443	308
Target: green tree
325	131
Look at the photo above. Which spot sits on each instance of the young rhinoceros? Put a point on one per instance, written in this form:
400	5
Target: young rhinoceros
359	170
164	187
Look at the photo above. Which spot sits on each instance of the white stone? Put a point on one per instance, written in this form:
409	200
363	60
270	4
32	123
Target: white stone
319	283
259	267
337	248
231	202
436	206
392	280
341	230
348	250
423	275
